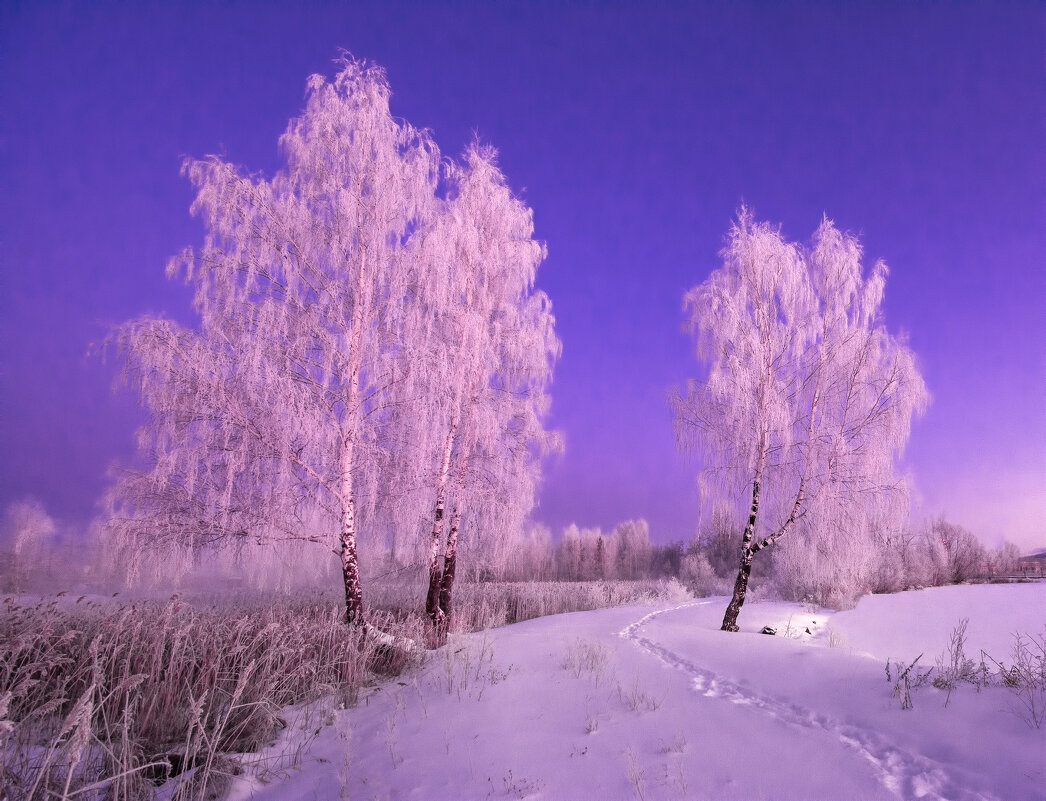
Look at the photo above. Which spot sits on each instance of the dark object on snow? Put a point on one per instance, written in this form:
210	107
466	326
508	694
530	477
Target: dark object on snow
768	630
808	630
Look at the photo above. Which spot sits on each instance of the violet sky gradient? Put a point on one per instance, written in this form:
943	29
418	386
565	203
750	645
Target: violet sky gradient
634	131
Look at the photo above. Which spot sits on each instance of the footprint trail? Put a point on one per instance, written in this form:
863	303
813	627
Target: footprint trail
906	775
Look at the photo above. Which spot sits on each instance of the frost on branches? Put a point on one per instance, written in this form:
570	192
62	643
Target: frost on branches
351	318
496	341
808	399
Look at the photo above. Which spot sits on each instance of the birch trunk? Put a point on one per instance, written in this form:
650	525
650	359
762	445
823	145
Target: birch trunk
435	575
446	591
432	601
349	565
744	569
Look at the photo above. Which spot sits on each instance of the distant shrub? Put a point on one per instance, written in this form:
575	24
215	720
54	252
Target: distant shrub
699	577
966	557
1005	559
27	534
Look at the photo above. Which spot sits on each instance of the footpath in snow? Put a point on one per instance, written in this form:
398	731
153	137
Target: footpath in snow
657	703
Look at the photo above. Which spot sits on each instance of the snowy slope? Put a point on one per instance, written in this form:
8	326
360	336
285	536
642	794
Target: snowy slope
641	703
909	623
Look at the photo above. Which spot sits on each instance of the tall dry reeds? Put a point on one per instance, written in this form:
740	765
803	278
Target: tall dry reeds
106	700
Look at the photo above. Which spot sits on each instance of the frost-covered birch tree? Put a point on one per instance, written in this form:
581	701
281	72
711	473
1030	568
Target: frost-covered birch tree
497	351
808	399
267	420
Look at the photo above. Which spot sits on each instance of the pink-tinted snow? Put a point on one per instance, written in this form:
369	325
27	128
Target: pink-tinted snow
656	703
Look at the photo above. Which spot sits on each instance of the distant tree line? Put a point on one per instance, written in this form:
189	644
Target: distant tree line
877	560
35	554
933	554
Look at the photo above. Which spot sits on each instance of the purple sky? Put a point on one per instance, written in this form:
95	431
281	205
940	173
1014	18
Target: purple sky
634	132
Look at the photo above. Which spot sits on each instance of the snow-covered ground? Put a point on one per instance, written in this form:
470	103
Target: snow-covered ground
657	703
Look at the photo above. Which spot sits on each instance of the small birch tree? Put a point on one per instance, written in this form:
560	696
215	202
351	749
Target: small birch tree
497	348
808	400
267	421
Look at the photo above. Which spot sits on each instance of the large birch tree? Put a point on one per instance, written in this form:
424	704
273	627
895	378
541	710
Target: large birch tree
268	419
808	399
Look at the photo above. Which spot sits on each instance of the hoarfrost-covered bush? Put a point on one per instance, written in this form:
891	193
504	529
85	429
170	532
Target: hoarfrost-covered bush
672	591
27	526
630	542
1005	559
966	557
835	561
717	540
889	573
697	574
928	566
27	534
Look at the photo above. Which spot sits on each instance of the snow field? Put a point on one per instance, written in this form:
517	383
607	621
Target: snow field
642	703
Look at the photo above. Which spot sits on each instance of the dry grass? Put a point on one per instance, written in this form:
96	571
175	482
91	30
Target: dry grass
105	700
491	604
